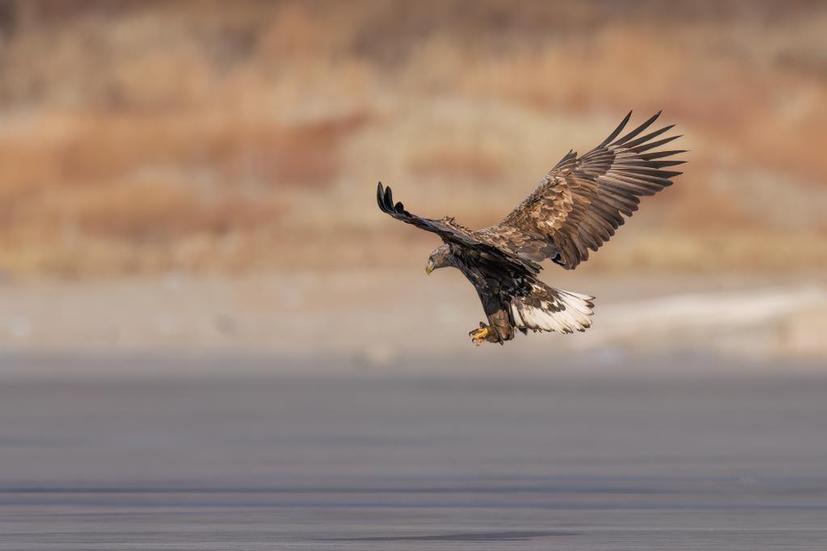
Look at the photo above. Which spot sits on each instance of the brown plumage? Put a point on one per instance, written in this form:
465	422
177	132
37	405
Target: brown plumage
576	207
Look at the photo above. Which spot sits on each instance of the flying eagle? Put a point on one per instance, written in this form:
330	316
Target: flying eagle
576	207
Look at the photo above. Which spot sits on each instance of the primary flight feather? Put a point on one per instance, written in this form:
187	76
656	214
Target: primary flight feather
576	207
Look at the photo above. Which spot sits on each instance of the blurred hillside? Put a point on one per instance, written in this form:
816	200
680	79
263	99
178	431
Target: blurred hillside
143	137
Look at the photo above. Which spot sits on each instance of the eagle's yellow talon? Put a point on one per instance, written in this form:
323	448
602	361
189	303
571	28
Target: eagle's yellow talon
479	335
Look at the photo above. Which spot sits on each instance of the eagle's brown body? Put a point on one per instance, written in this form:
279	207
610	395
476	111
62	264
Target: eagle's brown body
576	207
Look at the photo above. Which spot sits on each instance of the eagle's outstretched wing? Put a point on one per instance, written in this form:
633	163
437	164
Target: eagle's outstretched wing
580	202
451	232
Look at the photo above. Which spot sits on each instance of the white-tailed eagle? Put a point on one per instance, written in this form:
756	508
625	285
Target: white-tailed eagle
576	207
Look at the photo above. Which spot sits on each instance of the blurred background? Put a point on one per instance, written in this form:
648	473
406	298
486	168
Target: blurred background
187	175
187	191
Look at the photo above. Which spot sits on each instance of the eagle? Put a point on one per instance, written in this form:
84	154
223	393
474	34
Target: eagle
575	208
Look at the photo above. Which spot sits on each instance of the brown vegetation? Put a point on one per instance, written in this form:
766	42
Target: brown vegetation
154	136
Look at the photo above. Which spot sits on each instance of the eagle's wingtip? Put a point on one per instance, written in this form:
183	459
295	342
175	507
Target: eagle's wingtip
384	197
388	199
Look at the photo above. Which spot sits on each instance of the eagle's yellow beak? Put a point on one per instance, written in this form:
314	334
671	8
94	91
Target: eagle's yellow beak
430	267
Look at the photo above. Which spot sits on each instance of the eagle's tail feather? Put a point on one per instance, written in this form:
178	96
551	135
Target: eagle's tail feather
549	309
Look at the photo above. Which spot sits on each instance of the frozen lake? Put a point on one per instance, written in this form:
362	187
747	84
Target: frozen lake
454	460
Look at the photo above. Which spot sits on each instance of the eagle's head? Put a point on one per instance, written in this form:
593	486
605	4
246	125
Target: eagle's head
440	258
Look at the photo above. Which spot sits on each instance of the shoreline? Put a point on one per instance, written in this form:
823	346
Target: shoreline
380	316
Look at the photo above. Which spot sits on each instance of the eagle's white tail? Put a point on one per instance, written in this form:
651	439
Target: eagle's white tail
549	309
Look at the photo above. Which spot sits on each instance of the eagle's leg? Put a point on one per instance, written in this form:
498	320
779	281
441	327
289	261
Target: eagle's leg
499	331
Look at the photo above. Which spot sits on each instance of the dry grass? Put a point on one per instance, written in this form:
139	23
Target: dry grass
154	136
